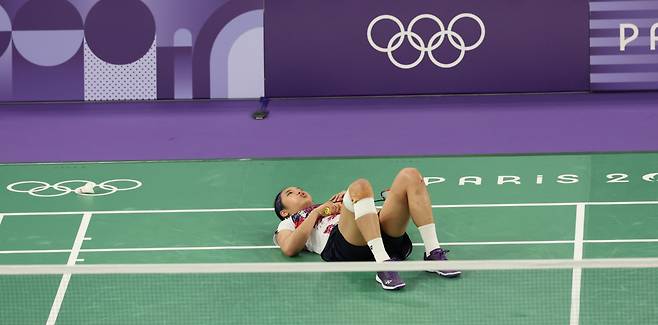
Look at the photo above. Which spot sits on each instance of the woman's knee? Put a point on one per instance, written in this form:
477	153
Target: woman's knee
360	188
411	174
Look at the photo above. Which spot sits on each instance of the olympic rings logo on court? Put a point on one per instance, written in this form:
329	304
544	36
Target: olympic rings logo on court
36	188
418	43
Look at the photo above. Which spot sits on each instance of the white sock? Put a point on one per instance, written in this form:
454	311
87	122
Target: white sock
428	233
377	247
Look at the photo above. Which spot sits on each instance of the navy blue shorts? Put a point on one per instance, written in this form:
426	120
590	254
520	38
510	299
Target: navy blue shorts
338	249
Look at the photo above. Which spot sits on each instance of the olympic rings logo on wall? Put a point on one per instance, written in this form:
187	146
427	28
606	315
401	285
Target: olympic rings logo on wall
37	187
418	43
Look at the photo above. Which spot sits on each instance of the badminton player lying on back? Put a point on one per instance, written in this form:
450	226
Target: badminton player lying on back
348	227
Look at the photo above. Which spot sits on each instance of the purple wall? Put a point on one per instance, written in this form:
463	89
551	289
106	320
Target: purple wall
623	62
456	125
121	49
178	49
389	47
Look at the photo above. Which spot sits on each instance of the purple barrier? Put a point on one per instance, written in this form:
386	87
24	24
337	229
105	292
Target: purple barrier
623	40
311	127
92	50
387	47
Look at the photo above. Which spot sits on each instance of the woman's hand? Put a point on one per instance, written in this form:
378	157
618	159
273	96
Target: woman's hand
328	208
338	197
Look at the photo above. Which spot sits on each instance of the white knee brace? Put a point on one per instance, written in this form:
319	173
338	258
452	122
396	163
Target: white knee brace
347	201
361	208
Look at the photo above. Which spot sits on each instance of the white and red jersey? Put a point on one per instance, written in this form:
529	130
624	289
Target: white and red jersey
320	233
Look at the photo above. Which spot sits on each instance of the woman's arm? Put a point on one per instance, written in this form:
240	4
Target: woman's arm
292	242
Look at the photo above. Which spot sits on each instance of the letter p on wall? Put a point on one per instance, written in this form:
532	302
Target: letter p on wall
623	40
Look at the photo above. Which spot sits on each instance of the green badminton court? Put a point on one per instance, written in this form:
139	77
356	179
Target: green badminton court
486	207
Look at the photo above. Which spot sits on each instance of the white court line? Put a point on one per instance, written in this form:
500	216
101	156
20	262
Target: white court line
577	271
37	251
208	248
499	205
96	250
1	217
141	211
73	257
159	249
621	241
487	205
202	248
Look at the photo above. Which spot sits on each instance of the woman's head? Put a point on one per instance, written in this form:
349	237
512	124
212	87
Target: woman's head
290	201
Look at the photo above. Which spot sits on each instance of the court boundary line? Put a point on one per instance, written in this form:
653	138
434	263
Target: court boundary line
439	206
66	277
2	216
579	236
254	247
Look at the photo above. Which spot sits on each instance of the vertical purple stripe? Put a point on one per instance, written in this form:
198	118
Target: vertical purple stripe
6	75
165	74
183	72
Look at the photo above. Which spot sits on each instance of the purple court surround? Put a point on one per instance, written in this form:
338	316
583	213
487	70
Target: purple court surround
348	48
349	127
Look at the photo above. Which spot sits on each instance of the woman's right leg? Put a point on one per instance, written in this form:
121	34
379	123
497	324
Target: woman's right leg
359	226
360	230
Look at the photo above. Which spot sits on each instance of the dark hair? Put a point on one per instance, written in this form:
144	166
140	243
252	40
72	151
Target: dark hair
278	205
